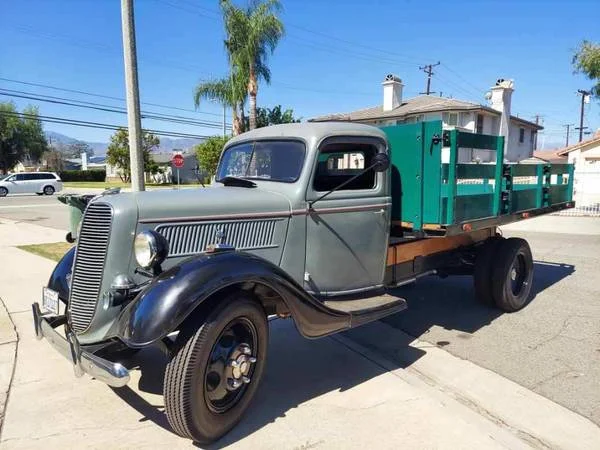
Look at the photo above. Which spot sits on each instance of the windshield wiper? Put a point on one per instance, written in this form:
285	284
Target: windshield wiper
237	182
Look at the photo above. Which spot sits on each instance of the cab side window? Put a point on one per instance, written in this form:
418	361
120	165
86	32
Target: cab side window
340	162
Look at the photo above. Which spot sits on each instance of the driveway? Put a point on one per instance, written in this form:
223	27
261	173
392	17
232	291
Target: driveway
553	345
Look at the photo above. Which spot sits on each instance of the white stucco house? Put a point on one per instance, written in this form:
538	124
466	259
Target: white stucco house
586	157
495	119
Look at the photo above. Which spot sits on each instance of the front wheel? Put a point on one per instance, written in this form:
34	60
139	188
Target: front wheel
216	370
3	192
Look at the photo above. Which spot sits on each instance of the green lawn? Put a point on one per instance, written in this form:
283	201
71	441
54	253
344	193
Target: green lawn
53	251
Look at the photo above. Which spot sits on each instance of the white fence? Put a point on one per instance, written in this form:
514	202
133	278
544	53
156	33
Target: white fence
586	193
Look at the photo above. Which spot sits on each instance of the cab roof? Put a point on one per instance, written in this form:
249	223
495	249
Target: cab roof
311	132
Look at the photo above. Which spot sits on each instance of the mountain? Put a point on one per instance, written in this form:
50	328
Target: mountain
166	144
61	140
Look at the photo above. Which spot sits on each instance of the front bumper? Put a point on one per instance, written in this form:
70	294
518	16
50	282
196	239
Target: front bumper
111	373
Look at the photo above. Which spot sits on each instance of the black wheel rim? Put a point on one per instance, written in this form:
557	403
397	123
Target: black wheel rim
518	275
231	365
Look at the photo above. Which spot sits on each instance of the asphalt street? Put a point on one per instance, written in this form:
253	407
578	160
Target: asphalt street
552	346
37	209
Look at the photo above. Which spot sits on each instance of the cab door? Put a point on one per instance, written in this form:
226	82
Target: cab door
347	231
17	183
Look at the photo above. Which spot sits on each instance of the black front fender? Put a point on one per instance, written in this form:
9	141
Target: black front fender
165	303
59	280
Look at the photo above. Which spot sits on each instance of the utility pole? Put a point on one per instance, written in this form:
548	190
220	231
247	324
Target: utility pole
134	122
584	95
568	127
224	117
428	69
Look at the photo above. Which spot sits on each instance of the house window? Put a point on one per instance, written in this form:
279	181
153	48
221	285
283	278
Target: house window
521	135
479	128
450	119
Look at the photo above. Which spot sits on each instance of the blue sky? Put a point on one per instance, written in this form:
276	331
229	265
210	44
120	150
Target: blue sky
333	58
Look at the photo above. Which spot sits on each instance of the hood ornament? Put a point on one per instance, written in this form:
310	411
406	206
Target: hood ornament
219	245
220	235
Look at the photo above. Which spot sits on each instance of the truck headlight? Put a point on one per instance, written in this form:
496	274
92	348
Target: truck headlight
150	249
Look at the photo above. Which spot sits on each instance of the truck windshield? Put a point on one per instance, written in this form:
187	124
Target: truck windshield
263	160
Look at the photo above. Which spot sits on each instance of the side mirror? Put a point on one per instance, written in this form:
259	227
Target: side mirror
381	162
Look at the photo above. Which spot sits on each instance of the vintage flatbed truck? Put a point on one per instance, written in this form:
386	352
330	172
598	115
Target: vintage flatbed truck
315	221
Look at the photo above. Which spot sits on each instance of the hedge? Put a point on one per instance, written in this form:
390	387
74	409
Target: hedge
83	175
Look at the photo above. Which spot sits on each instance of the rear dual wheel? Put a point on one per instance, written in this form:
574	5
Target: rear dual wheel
216	370
504	273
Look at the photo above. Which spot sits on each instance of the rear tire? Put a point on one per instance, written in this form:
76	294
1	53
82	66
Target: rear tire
482	274
3	192
216	370
512	274
48	190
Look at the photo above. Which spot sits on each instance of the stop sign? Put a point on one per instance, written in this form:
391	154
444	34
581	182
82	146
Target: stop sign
177	161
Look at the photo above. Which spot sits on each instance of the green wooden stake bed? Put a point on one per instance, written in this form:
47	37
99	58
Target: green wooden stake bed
317	222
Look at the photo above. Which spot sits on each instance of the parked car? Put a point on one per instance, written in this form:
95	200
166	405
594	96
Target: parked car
317	222
31	182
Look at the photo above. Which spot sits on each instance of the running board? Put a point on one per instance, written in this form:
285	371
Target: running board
364	310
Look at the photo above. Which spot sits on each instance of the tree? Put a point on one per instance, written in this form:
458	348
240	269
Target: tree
54	160
274	116
21	136
586	60
252	34
117	153
209	152
75	149
231	92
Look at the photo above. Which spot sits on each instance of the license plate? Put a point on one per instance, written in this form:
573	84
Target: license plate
50	301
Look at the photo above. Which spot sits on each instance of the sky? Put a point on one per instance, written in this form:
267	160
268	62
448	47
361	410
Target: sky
333	58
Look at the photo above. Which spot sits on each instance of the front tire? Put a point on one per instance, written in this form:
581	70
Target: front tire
512	275
3	192
216	370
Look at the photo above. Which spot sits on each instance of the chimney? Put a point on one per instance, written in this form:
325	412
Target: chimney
392	92
500	99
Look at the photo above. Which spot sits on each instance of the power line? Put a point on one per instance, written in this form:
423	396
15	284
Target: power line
109	97
584	96
98	125
428	69
107	108
568	127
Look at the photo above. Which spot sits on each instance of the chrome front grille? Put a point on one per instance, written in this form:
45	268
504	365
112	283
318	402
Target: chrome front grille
92	244
189	239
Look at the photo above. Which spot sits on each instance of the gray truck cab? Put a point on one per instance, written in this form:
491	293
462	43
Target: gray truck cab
302	163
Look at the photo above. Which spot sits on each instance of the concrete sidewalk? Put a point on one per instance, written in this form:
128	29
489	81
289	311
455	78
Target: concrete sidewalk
365	389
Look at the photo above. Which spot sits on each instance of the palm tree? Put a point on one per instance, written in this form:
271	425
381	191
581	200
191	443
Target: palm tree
230	92
252	33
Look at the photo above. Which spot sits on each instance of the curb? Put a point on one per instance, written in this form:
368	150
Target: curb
9	342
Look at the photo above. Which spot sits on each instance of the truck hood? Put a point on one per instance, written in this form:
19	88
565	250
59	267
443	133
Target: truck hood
218	202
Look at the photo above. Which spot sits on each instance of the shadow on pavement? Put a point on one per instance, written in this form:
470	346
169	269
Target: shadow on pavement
451	303
298	370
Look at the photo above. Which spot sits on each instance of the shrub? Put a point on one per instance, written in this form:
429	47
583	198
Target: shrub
83	175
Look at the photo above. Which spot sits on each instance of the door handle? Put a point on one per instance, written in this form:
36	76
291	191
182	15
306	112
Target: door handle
381	211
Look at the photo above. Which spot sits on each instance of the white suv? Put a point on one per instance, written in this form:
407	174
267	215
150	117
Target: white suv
30	182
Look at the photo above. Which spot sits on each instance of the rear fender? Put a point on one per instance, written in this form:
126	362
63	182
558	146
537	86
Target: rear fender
171	297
